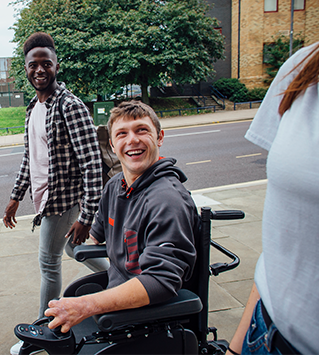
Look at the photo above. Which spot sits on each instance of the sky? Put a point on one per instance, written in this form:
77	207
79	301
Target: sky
6	20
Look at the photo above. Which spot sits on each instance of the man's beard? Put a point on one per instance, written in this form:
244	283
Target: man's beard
43	89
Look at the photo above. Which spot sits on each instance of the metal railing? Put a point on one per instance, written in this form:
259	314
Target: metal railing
7	128
247	102
198	95
179	110
217	96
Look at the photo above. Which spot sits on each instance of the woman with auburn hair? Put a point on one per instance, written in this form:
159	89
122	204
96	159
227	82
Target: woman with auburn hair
282	312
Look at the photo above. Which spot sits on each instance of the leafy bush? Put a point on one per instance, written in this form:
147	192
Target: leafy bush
240	96
236	91
256	94
229	86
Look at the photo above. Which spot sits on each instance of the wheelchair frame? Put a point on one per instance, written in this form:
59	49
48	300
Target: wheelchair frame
178	326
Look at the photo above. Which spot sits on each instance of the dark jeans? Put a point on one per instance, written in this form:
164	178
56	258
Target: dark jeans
258	339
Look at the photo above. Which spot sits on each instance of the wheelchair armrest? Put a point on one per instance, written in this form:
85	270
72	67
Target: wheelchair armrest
217	268
227	214
185	303
83	252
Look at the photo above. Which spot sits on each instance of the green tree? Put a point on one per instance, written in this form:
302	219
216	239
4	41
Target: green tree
103	45
277	52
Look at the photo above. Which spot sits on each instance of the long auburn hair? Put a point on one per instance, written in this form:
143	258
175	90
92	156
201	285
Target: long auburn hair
308	75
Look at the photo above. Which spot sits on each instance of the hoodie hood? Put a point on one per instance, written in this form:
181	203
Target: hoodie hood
163	167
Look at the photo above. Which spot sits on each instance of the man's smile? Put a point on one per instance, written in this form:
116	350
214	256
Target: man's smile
40	78
135	152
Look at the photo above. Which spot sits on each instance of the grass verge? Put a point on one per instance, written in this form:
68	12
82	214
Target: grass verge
12	117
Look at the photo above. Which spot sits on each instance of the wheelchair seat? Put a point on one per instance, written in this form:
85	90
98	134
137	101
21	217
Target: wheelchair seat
178	326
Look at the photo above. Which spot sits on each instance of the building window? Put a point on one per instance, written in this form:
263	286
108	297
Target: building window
271	5
299	4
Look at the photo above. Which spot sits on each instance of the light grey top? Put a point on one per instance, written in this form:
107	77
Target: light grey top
287	273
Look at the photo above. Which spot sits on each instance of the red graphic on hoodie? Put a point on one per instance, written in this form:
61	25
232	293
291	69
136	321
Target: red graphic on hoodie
132	265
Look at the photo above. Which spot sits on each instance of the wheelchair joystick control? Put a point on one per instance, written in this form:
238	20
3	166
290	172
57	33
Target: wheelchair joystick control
53	341
57	332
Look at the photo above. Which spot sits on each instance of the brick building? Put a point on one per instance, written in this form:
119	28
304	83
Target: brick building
260	20
248	24
9	96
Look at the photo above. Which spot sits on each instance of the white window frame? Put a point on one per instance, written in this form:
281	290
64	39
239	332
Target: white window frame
299	5
270	5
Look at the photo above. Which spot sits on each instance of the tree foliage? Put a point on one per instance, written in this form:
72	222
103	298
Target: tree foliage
103	45
277	52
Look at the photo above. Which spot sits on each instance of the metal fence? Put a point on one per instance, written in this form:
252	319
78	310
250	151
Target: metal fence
7	128
248	102
179	110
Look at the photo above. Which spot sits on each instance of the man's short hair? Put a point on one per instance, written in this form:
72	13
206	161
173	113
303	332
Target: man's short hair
133	109
38	39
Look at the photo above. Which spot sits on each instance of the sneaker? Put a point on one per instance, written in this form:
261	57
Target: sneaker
15	349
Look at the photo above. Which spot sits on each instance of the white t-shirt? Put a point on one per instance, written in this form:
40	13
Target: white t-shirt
38	154
287	273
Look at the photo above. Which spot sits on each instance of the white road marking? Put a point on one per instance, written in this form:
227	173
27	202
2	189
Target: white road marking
248	155
190	134
199	162
8	155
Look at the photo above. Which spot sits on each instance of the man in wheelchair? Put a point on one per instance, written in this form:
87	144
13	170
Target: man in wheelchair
158	248
147	219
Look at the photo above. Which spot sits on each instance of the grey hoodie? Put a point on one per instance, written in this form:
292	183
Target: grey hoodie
149	230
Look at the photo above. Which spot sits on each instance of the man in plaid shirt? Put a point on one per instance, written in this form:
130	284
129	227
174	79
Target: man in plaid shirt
61	165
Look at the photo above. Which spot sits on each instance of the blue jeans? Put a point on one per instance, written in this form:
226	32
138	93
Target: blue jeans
258	338
51	244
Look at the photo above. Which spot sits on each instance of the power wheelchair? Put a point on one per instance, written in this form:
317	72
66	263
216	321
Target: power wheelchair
178	326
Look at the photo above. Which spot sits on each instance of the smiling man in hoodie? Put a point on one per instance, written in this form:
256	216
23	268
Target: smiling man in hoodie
147	219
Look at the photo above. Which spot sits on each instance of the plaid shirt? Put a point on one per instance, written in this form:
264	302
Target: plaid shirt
75	170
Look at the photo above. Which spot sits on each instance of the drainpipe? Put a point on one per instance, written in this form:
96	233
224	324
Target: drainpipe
291	26
238	61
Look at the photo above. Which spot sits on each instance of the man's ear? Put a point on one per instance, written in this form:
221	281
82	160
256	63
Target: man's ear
160	138
57	67
112	146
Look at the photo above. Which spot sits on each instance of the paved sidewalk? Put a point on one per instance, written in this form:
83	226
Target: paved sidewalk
20	275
